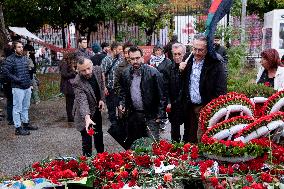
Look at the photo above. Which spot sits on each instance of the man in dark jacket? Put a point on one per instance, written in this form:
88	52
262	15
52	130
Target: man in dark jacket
174	107
83	48
204	79
141	96
220	49
89	102
17	70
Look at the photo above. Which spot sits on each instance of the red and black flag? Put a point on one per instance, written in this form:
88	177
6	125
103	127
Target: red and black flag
217	10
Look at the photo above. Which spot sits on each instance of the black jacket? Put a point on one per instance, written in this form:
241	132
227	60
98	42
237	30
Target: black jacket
222	51
16	68
212	84
152	94
175	85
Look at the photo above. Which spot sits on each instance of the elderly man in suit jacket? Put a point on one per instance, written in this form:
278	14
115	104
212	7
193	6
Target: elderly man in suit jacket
89	102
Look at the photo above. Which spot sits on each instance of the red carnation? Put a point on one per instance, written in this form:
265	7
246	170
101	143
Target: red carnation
186	147
267	84
109	175
83	158
266	177
168	177
249	178
214	181
124	174
91	132
157	162
168	110
135	173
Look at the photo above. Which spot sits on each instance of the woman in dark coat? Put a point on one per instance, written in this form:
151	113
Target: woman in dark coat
68	73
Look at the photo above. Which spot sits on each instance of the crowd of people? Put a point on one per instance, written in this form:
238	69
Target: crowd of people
139	94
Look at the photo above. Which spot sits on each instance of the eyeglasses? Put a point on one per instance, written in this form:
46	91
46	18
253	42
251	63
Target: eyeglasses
198	50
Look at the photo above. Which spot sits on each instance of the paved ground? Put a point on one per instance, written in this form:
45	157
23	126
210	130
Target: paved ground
54	138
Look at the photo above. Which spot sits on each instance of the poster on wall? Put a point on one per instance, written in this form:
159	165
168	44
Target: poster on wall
281	36
267	38
184	28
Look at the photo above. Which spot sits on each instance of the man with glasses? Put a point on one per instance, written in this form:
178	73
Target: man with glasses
141	97
204	79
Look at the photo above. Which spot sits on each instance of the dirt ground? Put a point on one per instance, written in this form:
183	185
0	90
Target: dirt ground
54	138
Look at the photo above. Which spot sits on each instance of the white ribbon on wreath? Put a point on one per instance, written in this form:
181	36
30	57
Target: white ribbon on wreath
277	106
226	112
262	131
258	100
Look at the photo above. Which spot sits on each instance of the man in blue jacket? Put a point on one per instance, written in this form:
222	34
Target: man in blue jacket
16	69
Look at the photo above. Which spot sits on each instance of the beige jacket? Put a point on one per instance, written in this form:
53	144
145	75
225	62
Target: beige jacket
85	100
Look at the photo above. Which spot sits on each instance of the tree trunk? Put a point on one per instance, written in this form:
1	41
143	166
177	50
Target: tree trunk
63	36
115	30
2	22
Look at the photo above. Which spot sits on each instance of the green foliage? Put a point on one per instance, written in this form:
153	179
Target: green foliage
49	85
200	25
241	77
149	15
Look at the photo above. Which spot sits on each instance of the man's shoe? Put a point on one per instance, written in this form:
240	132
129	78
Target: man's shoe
21	131
27	126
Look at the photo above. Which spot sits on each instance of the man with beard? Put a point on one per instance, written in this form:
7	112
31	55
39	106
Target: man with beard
141	97
89	102
16	69
174	107
109	65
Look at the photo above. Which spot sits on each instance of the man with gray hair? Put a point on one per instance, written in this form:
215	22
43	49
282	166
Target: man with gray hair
204	79
89	102
174	107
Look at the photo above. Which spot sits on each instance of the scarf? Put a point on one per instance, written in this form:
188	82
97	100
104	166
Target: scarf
156	60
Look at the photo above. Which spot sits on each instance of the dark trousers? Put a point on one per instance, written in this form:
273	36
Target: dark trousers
139	126
69	99
176	118
112	103
98	136
175	132
191	123
9	107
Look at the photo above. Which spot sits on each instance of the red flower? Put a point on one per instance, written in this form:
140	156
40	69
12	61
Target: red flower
83	158
157	162
194	152
249	178
267	84
134	173
168	110
168	177
124	174
84	167
91	132
84	174
36	165
266	177
109	175
214	181
186	147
